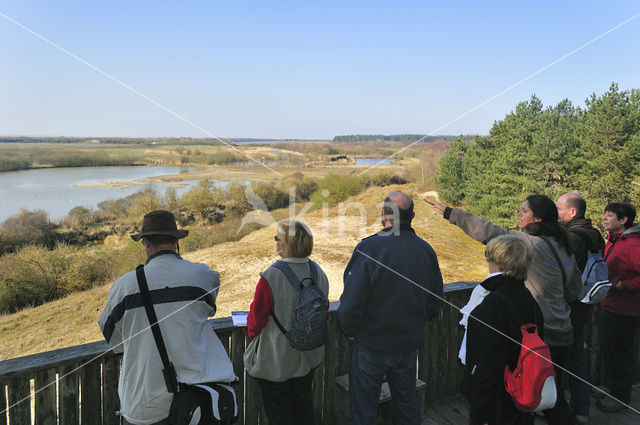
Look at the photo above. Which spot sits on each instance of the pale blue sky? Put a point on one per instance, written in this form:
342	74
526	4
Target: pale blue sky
301	69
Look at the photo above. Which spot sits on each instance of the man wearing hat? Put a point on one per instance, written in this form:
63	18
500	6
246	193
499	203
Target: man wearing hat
183	296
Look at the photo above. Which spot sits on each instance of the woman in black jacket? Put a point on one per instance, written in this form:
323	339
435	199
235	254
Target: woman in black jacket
488	349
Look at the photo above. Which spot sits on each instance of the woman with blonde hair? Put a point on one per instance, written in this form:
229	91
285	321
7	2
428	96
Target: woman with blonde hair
285	374
502	312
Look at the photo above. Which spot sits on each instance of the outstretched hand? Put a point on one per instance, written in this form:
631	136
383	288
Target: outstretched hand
437	206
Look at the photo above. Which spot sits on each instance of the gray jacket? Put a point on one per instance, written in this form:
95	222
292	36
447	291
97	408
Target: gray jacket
544	279
270	356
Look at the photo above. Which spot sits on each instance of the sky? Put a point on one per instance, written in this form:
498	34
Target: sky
308	70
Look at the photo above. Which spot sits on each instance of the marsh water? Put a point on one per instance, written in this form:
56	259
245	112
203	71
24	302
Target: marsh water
54	190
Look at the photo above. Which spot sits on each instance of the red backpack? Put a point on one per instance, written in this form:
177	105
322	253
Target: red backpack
532	383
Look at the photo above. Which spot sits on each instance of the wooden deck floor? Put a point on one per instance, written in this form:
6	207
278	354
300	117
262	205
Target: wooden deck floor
453	411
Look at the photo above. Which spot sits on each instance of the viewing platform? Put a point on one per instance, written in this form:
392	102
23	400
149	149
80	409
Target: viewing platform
79	385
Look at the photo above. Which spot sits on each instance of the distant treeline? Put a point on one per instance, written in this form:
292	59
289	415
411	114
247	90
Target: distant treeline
593	150
396	138
136	140
19	159
122	140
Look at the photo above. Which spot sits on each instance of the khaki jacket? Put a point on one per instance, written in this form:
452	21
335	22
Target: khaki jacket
544	279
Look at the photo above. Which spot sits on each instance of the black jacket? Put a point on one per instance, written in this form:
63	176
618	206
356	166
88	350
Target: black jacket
580	232
489	351
392	286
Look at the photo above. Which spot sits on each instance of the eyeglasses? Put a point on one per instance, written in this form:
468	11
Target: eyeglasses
277	238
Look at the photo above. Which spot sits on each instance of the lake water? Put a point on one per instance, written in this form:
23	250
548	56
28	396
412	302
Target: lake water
52	189
372	161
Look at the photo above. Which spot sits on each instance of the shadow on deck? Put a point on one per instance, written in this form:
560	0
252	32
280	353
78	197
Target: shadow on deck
454	411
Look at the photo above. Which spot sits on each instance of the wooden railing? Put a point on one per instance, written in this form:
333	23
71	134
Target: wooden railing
79	385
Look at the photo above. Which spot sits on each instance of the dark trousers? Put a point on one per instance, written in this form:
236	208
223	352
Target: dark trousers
366	373
577	364
560	414
288	402
617	337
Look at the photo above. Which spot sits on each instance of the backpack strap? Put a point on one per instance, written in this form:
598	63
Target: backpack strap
169	372
585	238
557	257
286	269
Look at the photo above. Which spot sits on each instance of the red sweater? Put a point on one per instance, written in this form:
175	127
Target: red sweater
622	255
261	306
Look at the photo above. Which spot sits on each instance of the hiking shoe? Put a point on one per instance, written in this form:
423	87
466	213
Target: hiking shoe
609	405
582	419
599	394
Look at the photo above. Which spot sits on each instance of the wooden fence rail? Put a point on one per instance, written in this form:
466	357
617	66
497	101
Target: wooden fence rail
79	385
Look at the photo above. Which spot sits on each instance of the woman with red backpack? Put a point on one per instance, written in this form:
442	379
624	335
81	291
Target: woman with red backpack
508	306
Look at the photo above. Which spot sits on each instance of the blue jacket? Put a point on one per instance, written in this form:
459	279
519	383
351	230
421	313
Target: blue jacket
392	287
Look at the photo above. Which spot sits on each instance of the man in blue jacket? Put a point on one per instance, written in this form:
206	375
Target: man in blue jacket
392	287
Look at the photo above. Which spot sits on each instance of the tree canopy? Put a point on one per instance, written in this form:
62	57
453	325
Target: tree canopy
593	150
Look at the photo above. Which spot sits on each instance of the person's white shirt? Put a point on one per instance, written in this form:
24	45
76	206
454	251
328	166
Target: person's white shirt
477	296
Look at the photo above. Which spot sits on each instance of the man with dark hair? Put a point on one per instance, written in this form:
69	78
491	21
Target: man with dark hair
620	310
392	287
584	238
183	295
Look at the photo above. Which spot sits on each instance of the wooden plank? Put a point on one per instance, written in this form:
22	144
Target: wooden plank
451	387
428	357
331	360
463	298
3	403
239	339
434	416
52	359
69	381
225	338
442	345
317	388
19	389
90	394
591	339
110	399
459	404
253	402
451	414
46	398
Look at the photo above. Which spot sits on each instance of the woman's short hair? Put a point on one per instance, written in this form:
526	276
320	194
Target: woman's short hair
621	210
296	238
511	254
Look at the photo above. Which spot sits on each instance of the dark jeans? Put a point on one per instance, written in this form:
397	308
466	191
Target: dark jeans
366	374
577	364
288	402
617	335
560	414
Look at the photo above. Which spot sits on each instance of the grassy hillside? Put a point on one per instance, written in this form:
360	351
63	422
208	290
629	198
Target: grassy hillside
72	320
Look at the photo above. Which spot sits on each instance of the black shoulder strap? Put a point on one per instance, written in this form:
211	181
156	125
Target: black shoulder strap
557	257
611	248
169	371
